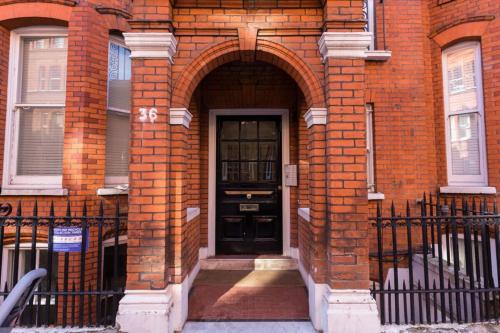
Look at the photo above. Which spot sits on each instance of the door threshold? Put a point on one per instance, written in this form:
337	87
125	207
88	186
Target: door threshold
242	262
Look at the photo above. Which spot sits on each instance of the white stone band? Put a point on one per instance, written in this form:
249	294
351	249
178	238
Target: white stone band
315	116
180	116
151	44
344	44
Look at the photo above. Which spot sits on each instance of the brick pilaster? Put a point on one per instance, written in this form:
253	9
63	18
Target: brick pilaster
317	198
85	113
179	196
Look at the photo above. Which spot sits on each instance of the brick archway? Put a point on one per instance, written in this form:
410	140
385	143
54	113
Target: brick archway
265	51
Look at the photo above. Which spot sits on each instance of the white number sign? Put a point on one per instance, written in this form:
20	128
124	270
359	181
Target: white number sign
145	114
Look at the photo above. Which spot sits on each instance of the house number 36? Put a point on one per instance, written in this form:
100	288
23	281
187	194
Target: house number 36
148	114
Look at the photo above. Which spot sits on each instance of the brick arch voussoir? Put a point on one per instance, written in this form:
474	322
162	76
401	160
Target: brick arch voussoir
41	10
266	51
192	75
294	66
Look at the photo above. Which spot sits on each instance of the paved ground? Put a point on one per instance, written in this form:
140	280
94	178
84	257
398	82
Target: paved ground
248	295
248	327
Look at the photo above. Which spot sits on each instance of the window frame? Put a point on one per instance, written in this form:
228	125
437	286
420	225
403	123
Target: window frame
114	181
465	180
10	178
370	153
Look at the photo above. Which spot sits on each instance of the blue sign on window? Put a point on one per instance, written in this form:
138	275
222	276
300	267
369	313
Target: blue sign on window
69	239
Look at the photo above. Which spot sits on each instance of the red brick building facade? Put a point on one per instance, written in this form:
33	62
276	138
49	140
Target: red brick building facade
414	81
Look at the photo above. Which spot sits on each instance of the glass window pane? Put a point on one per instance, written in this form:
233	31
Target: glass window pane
117	144
248	171
119	73
465	152
267	151
43	74
230	130
229	151
40	146
249	151
267	130
248	130
230	171
267	171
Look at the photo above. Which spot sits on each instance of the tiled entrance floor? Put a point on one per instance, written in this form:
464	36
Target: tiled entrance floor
248	327
220	295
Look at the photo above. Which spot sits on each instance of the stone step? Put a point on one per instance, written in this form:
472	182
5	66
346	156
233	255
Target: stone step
243	263
249	327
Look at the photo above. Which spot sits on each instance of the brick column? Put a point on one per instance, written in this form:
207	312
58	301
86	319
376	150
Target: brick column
148	298
349	305
316	128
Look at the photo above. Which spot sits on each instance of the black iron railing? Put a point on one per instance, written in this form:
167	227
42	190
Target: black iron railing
440	265
85	258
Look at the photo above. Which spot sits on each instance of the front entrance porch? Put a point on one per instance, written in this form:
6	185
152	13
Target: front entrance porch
250	295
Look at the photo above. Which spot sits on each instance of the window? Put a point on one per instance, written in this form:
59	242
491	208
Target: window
35	115
370	161
118	117
24	266
464	115
369	16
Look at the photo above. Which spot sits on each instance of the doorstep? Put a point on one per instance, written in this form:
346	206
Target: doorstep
262	262
249	327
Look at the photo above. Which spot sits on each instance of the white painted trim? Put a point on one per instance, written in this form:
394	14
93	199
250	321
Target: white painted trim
468	190
192	212
180	116
10	180
151	44
203	253
378	55
466	180
350	310
376	196
180	295
212	132
344	44
146	311
305	213
371	21
48	192
111	191
315	292
315	116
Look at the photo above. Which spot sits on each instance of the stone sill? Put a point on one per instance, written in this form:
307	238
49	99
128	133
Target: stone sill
47	191
111	191
304	212
192	212
376	196
467	190
378	55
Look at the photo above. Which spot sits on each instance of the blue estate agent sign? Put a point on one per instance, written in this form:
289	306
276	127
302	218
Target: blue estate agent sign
69	239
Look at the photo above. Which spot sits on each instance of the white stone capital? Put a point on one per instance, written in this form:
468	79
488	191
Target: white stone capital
344	44
180	116
146	311
349	310
315	116
151	44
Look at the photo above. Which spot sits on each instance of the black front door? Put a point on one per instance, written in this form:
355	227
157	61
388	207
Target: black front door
249	210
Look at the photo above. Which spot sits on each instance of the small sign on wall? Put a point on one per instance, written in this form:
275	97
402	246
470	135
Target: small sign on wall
69	239
291	174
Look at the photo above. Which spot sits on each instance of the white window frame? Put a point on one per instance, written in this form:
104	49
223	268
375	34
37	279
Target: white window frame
370	157
113	181
9	250
10	179
466	180
371	22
